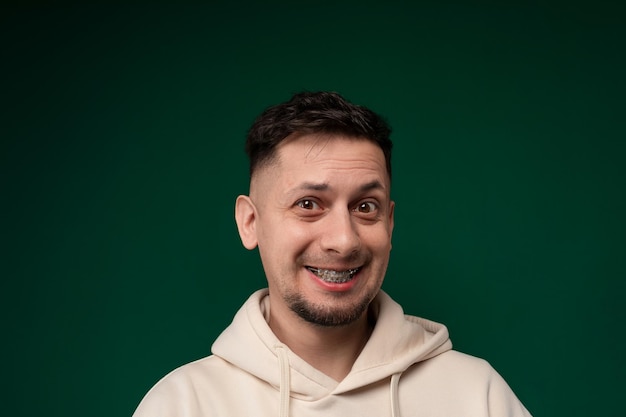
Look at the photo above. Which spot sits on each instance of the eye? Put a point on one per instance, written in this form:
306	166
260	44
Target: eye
308	204
366	207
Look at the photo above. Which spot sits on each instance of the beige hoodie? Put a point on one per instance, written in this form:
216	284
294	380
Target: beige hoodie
407	368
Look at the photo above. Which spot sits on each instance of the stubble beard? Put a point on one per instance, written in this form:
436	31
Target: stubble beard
326	316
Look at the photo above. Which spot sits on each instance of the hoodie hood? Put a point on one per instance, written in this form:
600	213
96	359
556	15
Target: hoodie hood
397	342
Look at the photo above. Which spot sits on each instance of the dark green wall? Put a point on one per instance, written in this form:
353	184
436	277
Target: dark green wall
122	153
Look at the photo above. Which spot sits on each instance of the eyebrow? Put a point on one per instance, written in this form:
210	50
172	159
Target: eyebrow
373	185
313	186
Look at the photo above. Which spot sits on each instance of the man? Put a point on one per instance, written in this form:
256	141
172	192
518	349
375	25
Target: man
323	339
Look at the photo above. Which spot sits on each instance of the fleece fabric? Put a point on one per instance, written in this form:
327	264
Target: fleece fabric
407	368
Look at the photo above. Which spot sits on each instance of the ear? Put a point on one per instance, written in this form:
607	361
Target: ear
392	206
245	216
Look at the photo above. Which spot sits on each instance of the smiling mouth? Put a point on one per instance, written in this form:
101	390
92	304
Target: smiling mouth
332	276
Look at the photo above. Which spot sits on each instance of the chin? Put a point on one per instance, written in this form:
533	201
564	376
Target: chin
325	315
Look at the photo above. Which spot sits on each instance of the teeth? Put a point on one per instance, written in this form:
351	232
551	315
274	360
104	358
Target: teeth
336	277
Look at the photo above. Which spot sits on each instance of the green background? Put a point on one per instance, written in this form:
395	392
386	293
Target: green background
122	154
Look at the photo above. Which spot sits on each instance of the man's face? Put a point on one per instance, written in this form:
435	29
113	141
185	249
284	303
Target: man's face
322	218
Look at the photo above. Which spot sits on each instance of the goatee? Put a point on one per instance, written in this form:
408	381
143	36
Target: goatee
325	316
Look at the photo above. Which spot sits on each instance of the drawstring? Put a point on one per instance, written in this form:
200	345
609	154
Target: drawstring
395	402
285	384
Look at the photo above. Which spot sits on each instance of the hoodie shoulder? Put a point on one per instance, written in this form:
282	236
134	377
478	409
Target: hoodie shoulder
470	382
181	387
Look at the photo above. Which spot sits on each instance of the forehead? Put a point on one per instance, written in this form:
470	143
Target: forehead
320	157
327	151
324	159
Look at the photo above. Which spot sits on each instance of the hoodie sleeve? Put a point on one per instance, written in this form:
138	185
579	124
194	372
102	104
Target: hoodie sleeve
502	400
176	395
160	400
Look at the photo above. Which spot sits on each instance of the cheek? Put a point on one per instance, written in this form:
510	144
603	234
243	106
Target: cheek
283	239
378	239
293	232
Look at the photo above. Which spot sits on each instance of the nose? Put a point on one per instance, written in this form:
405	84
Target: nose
340	234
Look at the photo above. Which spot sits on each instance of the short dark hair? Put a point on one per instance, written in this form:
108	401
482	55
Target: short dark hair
310	113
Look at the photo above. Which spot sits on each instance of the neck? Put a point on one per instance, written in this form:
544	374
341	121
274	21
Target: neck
331	350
